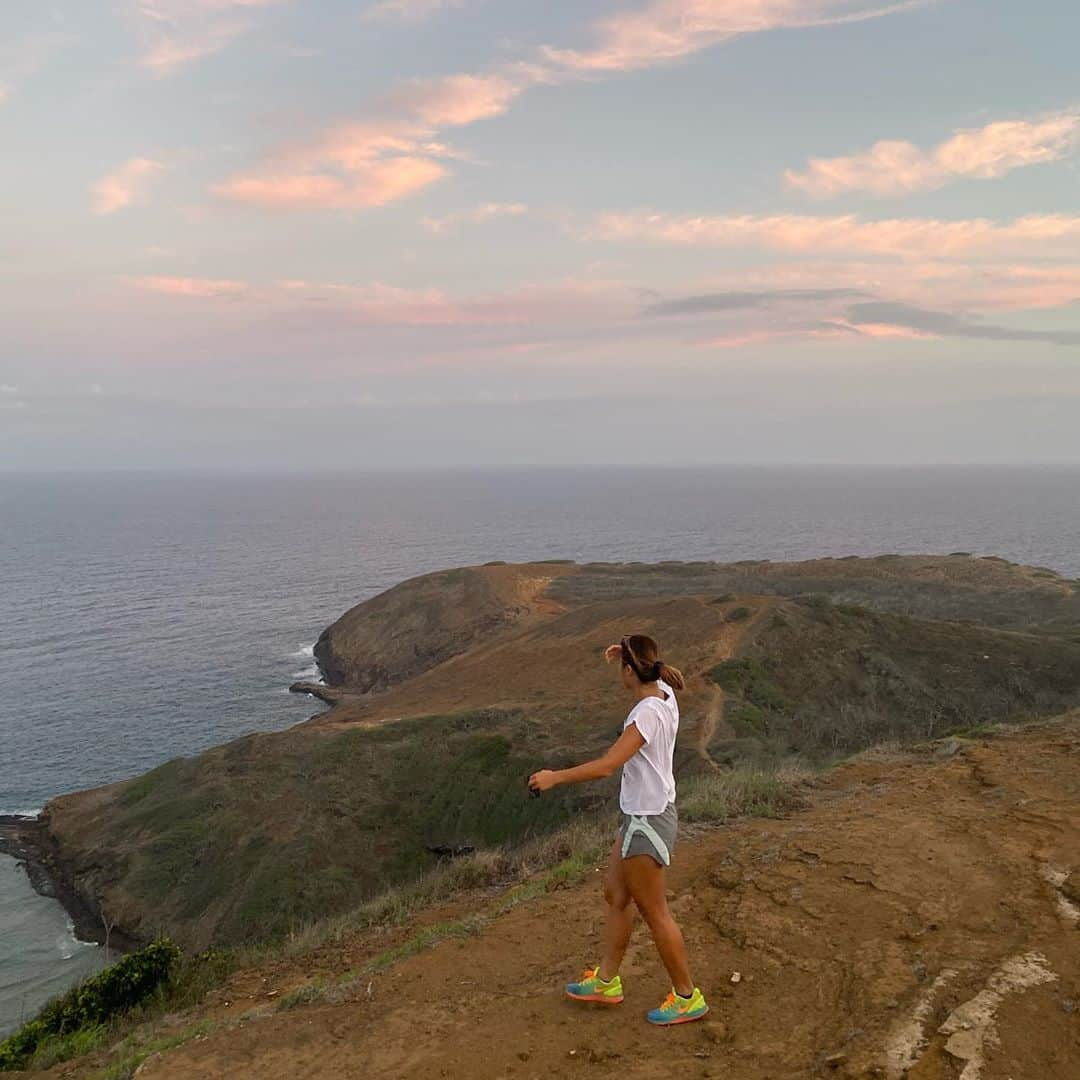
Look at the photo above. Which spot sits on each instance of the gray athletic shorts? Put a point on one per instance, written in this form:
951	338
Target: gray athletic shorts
650	834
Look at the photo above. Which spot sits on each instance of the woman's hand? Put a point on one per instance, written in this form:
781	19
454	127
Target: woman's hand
544	780
612	653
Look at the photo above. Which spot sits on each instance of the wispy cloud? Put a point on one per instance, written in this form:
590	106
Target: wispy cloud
126	185
668	30
456	100
193	288
892	167
529	308
902	237
793	315
408	10
886	314
352	167
372	163
420	110
559	303
177	32
713	303
484	212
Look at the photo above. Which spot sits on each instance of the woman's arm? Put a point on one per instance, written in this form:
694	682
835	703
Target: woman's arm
624	748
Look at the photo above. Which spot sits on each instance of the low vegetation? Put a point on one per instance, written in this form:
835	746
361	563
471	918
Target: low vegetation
78	1020
822	679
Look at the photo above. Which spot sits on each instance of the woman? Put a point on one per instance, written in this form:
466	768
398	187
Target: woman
636	867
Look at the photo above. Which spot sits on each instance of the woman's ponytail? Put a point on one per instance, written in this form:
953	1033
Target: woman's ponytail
672	676
642	655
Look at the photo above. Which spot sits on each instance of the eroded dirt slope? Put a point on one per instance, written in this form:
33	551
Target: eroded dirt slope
918	919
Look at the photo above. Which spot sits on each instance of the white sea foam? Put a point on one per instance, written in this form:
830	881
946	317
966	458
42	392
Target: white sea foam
21	813
310	673
71	943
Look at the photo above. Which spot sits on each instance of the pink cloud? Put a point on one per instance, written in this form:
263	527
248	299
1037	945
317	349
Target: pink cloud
886	331
177	32
378	304
566	302
897	237
126	185
897	168
457	100
833	330
663	31
198	288
668	30
484	212
353	167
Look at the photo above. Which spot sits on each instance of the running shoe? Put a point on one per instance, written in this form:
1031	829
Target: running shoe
679	1010
592	988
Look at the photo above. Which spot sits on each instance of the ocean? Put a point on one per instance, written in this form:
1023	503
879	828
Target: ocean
150	615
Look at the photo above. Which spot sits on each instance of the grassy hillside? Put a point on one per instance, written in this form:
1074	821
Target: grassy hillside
267	834
257	838
987	590
820	679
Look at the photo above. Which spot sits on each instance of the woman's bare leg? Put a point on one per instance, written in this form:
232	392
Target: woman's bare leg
621	915
647	883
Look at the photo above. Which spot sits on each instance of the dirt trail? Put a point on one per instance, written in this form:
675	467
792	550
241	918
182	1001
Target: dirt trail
917	919
731	636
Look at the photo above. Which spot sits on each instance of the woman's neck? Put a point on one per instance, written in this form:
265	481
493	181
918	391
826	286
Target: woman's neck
649	689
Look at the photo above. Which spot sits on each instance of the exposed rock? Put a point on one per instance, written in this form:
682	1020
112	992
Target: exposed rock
332	695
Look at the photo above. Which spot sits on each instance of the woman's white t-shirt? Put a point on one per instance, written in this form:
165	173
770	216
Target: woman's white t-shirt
648	783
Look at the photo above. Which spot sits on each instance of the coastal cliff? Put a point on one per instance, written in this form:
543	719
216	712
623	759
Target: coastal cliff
452	687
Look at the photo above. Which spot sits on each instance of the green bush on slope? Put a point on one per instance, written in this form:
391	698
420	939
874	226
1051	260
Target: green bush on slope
85	1008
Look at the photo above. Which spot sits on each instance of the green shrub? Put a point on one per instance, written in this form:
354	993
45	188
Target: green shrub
750	678
739	614
116	990
732	675
751	716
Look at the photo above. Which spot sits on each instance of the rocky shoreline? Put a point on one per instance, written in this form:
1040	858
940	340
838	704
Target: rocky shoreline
332	695
27	840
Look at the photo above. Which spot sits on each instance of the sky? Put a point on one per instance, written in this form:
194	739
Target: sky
380	233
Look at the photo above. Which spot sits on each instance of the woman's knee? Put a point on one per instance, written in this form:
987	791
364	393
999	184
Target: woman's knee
616	895
655	914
